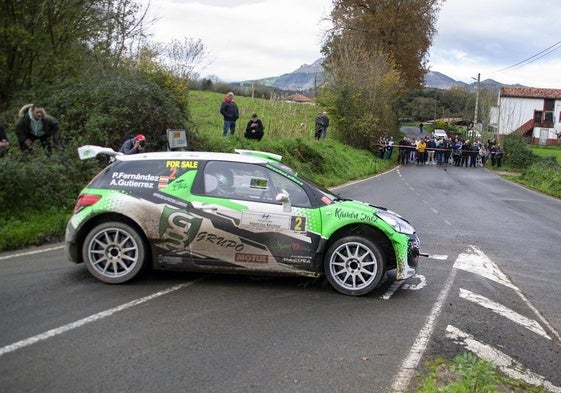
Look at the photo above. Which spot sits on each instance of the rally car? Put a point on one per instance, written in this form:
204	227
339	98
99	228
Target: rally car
242	212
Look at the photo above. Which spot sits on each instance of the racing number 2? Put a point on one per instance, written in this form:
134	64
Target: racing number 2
298	223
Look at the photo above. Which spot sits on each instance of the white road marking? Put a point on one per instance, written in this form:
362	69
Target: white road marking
22	254
92	318
475	261
438	257
504	362
409	365
391	290
416	287
506	312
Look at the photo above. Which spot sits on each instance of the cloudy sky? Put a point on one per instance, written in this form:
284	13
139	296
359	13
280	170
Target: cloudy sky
510	41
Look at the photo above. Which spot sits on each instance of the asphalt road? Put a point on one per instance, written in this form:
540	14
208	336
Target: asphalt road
491	285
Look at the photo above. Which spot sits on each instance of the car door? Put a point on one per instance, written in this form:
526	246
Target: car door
245	227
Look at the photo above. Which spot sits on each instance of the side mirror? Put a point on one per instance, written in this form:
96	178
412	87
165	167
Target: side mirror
284	198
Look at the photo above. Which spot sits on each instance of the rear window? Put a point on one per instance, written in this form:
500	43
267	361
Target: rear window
140	176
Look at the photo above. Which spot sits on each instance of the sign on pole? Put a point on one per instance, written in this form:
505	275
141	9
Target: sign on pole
177	139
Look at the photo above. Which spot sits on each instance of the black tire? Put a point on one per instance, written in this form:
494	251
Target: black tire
354	265
114	252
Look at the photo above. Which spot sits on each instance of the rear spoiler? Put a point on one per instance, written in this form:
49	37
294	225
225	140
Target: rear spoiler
90	151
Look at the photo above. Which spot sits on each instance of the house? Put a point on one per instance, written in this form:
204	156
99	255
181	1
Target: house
301	98
534	113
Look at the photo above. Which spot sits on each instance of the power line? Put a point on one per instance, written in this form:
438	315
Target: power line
535	57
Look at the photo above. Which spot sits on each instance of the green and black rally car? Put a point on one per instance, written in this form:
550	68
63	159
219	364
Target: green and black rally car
242	212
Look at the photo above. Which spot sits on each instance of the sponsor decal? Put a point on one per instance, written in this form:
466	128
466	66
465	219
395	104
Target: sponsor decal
273	222
355	216
297	260
170	199
170	260
137	180
251	258
219	241
294	247
177	228
182	164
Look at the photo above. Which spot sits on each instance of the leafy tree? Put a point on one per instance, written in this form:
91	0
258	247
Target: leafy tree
48	41
401	29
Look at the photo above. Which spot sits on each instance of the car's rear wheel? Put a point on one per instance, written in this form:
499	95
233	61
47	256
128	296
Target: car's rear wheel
354	265
114	252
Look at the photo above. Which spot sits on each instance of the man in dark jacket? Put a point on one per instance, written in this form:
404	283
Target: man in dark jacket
254	129
229	111
33	124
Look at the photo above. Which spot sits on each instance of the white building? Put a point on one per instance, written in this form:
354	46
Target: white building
534	113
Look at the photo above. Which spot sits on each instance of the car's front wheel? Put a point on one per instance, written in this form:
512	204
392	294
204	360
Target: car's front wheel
354	265
114	252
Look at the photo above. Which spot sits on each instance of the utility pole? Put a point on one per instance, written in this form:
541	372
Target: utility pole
476	102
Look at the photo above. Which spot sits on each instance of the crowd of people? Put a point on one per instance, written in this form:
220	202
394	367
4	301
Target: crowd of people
442	151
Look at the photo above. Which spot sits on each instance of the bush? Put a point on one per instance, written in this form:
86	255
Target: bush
518	154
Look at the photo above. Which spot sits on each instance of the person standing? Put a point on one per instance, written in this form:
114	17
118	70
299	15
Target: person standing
134	145
33	124
318	126
389	148
254	128
499	155
229	110
325	125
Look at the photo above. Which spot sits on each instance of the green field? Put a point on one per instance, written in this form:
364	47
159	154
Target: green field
547	151
281	119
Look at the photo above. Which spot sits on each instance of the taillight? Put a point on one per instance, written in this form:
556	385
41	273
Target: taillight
85	200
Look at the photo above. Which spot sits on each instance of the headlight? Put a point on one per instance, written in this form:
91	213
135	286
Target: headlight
396	222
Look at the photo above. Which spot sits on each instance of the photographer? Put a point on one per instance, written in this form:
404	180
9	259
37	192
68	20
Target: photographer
134	145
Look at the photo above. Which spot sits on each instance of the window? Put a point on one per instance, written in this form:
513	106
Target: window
236	180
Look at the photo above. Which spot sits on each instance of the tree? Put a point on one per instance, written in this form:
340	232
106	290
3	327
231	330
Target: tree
47	41
402	29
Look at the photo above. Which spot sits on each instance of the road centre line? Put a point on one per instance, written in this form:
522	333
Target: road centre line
506	312
410	363
504	362
92	318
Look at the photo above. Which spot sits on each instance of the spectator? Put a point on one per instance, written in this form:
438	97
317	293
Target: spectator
134	145
483	153
403	151
4	142
422	154
255	128
389	148
499	155
229	111
33	124
319	126
325	125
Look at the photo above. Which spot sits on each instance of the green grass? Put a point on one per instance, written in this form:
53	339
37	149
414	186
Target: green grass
547	151
289	130
467	373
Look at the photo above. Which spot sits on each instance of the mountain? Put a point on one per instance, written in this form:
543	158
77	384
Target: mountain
309	76
440	81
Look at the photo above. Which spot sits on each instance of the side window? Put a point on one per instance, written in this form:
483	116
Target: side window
235	180
298	196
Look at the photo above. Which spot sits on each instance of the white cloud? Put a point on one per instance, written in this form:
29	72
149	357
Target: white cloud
246	39
480	36
252	39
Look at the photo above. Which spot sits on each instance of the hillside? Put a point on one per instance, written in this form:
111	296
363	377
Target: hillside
309	76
